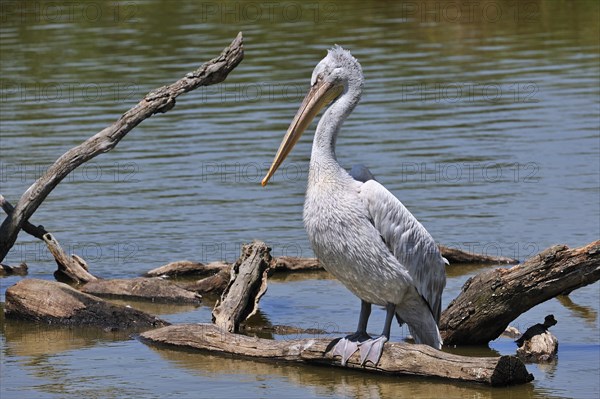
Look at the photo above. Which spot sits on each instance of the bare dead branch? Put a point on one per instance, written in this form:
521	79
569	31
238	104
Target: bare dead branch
160	100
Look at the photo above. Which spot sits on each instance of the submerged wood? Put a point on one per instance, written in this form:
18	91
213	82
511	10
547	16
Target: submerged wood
397	359
458	256
7	270
160	100
187	268
57	303
490	300
293	264
71	269
248	283
149	289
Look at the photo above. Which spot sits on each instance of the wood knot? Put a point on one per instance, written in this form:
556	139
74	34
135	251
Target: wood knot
497	283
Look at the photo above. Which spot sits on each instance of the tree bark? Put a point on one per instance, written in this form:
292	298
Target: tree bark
147	289
397	358
57	303
490	300
248	283
159	100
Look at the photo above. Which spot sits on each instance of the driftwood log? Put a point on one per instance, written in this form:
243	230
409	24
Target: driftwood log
57	303
158	101
459	257
184	268
490	300
148	289
248	283
397	358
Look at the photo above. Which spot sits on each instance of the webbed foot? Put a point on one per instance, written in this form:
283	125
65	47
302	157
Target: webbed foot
346	346
371	350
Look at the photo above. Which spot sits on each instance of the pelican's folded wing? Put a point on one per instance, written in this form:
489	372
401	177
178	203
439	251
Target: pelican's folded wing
408	240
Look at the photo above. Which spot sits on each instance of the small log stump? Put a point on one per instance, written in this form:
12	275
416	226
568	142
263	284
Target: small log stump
148	289
540	348
397	358
57	303
248	283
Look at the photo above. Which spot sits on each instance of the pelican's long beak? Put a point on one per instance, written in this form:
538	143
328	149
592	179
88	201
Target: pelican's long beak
319	95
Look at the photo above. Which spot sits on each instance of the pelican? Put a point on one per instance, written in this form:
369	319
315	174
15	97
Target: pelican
361	233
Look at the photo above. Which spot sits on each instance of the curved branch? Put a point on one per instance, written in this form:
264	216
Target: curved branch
159	100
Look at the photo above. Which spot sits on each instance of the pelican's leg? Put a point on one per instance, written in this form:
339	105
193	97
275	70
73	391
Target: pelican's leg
373	348
349	344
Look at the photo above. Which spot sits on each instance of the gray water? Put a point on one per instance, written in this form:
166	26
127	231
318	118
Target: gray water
482	119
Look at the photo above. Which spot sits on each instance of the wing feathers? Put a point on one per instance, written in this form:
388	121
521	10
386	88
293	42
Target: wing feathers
408	240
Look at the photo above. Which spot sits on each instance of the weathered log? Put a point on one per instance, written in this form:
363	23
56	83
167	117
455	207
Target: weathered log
71	269
490	300
397	358
460	257
160	100
149	289
248	283
187	268
7	270
57	303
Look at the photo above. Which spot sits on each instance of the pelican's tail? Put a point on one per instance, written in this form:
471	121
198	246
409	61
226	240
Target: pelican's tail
416	313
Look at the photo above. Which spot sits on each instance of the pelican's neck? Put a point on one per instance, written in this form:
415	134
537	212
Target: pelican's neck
323	150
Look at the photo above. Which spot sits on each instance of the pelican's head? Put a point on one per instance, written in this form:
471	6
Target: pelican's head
335	75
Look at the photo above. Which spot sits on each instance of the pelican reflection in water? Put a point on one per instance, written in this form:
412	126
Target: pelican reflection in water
360	232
